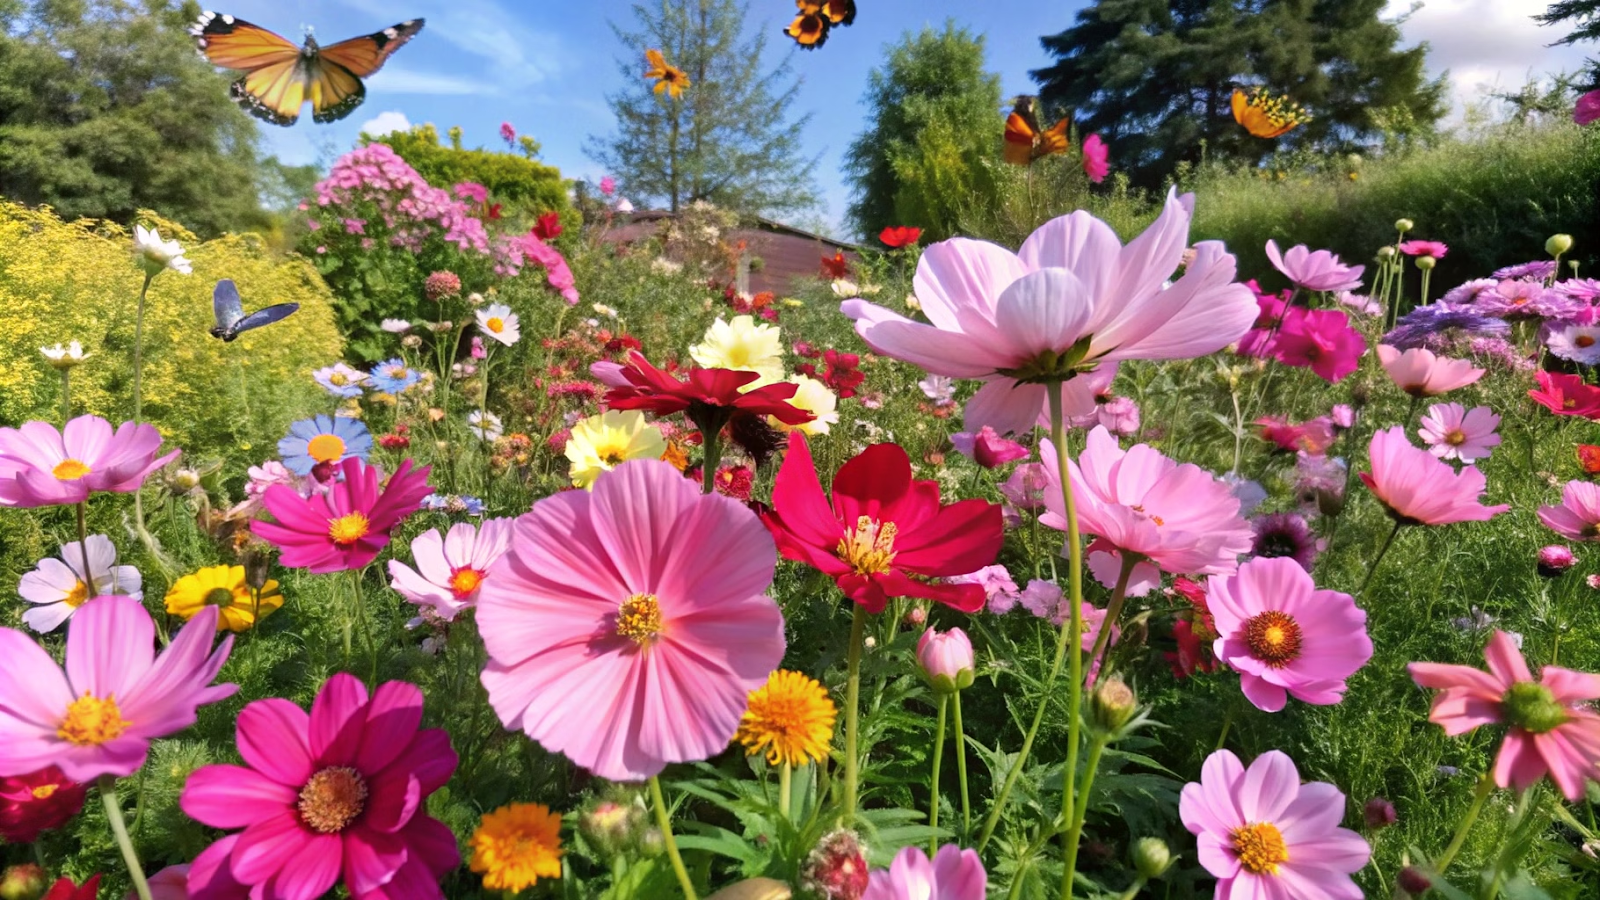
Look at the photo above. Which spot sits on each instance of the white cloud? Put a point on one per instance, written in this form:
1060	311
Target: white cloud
386	123
399	80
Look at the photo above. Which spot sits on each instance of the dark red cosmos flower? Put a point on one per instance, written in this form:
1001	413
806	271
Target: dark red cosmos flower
548	228
835	266
898	236
42	801
64	889
640	385
1566	395
882	528
623	343
1589	458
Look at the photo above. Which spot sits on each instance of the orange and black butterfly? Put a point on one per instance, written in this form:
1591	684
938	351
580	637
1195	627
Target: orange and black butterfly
279	77
810	28
1265	115
1025	140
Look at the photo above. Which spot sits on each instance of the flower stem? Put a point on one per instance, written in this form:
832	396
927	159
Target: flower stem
138	401
1119	594
1479	797
665	824
785	786
708	466
1097	745
83	545
852	700
933	779
485	443
66	396
1069	772
363	624
1362	593
961	766
119	829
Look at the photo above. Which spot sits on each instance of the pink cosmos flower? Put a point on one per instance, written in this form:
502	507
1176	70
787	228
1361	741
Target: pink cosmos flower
1179	516
952	874
1026	486
1435	249
1588	108
40	466
1072	299
1283	636
614	638
1319	271
338	792
450	569
1451	431
1271	312
1553	728
1096	158
999	591
507	133
1566	395
1420	373
1419	489
1321	340
1266	836
1104	562
99	714
608	185
346	527
1577	517
988	449
1313	436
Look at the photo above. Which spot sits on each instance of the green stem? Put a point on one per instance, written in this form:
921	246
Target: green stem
1119	595
364	625
1479	797
933	779
713	458
785	786
1425	274
83	545
1133	889
138	352
961	766
1362	593
66	396
486	444
665	824
1069	841
1097	744
119	829
852	700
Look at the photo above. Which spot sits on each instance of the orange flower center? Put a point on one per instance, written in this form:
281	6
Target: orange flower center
346	530
1260	848
496	324
332	799
1583	340
70	470
1273	638
45	791
464	581
92	721
639	619
325	448
78	596
1455	438
869	547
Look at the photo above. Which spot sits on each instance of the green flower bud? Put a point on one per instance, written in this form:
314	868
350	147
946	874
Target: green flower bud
1112	705
1404	225
1151	857
1426	262
1558	244
1385	253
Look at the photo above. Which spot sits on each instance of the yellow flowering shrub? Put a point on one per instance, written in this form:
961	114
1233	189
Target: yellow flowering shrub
65	281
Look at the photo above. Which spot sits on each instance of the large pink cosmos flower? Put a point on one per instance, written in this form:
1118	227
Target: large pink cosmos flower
1420	489
1266	836
1179	516
1319	271
1321	340
1577	517
1553	727
451	569
1284	636
338	792
1420	373
346	527
1452	431
1072	298
615	637
952	874
40	466
98	715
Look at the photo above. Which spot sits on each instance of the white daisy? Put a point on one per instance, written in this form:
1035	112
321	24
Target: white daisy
395	326
155	254
58	586
500	323
486	425
64	357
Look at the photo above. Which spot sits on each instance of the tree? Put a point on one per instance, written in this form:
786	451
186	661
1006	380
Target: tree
1154	77
106	109
1585	14
934	118
729	139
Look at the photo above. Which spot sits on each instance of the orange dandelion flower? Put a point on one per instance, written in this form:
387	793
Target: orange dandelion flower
670	79
1266	116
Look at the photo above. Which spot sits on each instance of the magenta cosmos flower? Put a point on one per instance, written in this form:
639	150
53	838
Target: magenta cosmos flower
615	637
1096	158
1266	836
952	874
1435	249
346	527
1553	728
1319	271
40	466
99	714
1284	636
1179	516
987	448
336	793
1420	373
1072	298
1321	340
451	569
1452	431
1577	517
1419	489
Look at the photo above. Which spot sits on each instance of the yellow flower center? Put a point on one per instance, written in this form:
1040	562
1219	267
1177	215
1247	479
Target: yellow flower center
332	799
346	530
325	448
869	547
639	619
1260	848
78	596
496	324
338	379
45	791
69	470
1273	638
92	721
464	581
1455	438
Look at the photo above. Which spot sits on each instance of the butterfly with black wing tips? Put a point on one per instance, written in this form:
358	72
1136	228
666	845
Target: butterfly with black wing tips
229	311
279	77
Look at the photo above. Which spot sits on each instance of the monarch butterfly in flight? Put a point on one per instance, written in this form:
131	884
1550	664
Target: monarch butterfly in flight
1266	116
1025	141
279	77
810	28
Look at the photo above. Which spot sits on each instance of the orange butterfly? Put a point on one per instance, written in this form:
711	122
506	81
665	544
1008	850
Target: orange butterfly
280	77
810	28
1266	116
1025	142
668	78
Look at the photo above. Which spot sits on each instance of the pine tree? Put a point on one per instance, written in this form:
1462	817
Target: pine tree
1154	77
730	138
1585	15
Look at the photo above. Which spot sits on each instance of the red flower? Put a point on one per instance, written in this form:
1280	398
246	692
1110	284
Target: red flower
836	266
42	801
735	481
394	441
548	228
1589	458
1566	395
900	236
623	343
882	528
710	397
64	889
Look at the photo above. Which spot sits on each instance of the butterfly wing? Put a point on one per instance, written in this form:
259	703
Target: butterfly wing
274	93
236	44
1022	129
840	12
264	316
809	30
365	55
1052	140
226	307
335	92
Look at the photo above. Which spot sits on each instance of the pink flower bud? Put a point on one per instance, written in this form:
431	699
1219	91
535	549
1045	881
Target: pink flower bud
946	659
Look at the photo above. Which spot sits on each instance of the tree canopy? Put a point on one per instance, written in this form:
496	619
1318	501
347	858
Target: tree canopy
1154	77
1584	15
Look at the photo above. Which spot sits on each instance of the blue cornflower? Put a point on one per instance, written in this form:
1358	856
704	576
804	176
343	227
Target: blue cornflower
323	439
393	376
1434	325
340	380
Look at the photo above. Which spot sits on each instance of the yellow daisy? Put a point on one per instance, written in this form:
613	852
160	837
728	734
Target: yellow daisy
670	79
601	443
516	845
814	397
225	588
790	717
744	346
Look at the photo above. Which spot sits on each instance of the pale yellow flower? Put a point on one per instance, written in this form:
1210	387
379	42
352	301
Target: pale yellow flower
742	345
601	443
814	397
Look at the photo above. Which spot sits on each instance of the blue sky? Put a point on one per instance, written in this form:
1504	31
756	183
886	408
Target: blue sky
546	67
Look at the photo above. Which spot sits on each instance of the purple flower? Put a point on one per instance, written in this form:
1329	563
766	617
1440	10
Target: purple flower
1025	488
1576	343
1437	325
1539	270
1466	293
999	591
1314	271
1284	535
